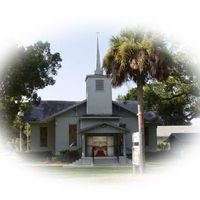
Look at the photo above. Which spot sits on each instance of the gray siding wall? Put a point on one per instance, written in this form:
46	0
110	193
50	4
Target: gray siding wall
98	102
75	112
117	110
35	137
132	125
152	147
62	133
60	141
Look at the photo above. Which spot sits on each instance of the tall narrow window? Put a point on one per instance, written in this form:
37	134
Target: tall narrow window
146	136
99	85
73	135
43	137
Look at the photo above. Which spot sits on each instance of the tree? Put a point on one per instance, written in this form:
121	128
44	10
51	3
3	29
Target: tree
139	56
177	100
25	71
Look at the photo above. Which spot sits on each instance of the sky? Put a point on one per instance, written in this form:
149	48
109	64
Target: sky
78	52
71	26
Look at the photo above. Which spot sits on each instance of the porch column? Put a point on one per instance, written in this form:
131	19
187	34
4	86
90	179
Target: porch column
83	145
124	144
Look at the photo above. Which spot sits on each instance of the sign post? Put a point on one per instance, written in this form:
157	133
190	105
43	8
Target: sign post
136	150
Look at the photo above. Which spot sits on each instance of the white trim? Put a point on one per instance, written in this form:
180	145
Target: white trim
99	117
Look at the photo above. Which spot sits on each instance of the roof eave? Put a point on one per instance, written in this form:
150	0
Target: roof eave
108	124
65	110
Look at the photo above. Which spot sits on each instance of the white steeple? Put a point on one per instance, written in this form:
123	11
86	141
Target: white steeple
98	90
98	63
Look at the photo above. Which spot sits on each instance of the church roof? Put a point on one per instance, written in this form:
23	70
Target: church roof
48	109
124	130
150	116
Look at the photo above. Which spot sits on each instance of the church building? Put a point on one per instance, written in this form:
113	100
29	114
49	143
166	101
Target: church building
97	127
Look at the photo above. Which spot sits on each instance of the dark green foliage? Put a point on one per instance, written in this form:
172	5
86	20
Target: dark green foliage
138	53
25	71
69	156
140	56
177	100
163	146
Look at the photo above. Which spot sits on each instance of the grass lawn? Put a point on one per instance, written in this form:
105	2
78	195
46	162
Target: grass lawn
81	172
155	163
108	173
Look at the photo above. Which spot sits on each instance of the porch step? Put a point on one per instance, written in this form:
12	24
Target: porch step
83	161
106	161
99	161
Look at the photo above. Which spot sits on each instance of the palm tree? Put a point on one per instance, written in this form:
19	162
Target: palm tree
139	56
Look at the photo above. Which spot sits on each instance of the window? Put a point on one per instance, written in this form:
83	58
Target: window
43	137
73	135
99	85
146	136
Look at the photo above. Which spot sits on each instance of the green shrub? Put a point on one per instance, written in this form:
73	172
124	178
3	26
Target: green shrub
163	146
69	156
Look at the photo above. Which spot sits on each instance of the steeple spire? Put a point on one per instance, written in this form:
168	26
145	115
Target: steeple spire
98	64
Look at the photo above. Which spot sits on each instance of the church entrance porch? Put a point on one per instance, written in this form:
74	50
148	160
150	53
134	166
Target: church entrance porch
103	140
100	149
100	146
104	146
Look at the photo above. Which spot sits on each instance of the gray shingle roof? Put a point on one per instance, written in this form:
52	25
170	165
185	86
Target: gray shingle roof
148	115
47	109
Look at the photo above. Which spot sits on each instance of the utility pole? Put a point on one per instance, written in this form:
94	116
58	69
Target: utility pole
141	123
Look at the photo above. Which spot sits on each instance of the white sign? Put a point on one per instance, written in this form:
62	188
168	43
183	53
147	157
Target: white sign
135	137
135	149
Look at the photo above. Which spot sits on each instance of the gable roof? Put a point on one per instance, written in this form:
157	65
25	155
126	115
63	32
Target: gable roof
46	109
78	103
50	109
124	130
132	106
